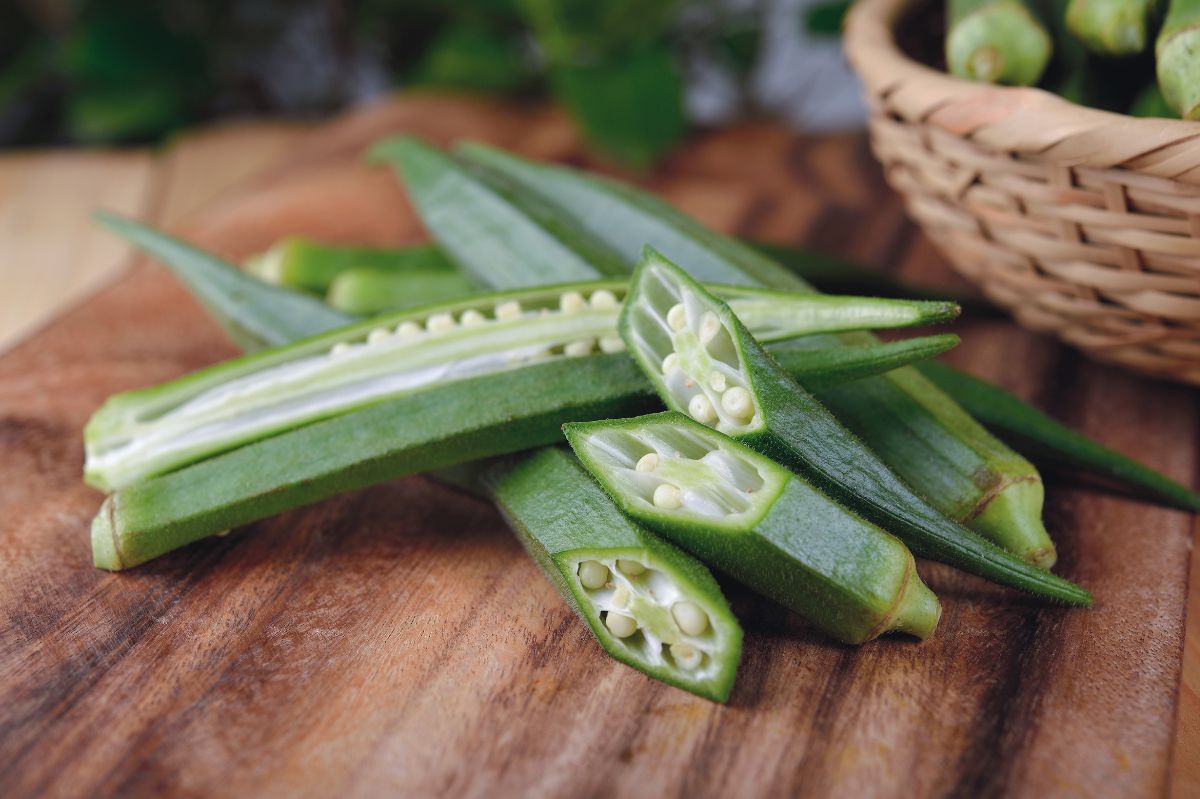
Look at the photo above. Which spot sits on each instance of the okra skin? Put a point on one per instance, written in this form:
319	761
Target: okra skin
1112	27
996	41
301	263
786	423
770	530
970	468
369	292
565	521
1178	55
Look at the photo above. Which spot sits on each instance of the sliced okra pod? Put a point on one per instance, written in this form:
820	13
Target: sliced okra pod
967	473
151	431
745	514
649	605
704	362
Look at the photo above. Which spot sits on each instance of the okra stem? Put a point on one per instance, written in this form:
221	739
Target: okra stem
704	362
748	516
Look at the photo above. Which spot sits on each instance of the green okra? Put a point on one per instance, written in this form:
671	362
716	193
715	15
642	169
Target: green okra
934	445
1178	53
1112	27
1043	437
703	361
302	263
370	292
151	431
1150	104
996	41
745	514
649	605
250	311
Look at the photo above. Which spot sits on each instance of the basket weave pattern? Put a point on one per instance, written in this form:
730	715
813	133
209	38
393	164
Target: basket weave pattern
1083	223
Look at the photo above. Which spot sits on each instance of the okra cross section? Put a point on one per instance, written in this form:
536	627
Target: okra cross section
704	362
153	431
650	605
743	513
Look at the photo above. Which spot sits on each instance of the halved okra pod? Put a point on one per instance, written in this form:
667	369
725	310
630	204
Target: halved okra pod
704	362
649	605
747	515
928	440
151	431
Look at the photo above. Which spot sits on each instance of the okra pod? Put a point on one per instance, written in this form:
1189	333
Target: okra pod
151	431
301	263
650	605
704	362
996	41
370	291
936	447
745	514
1112	27
1178	52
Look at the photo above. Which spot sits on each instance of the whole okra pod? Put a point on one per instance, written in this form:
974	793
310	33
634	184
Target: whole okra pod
1112	27
1178	52
301	263
996	41
748	516
650	605
704	362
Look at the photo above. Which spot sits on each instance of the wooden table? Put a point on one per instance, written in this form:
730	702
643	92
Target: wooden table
163	698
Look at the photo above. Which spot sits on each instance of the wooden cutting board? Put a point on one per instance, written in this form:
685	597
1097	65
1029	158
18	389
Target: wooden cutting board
398	641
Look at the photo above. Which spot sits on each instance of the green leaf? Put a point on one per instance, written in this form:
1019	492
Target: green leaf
477	58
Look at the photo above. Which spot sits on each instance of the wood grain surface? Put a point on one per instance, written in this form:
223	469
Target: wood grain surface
397	640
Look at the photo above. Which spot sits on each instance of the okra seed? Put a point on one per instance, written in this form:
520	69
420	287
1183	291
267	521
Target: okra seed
648	462
440	323
571	301
408	330
620	597
593	574
508	310
378	334
667	496
677	317
611	344
341	348
670	362
738	403
702	410
604	299
717	381
690	618
630	567
620	625
685	655
709	327
472	318
577	348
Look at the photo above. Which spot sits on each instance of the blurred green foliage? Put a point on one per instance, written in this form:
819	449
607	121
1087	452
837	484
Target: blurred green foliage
118	71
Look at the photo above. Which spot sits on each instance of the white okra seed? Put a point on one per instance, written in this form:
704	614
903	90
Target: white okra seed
408	330
611	344
440	323
702	410
738	403
690	617
508	310
471	318
685	655
593	574
604	299
717	381
341	348
571	301
667	496
631	567
677	317
710	325
378	334
670	362
620	597
648	462
620	625
577	348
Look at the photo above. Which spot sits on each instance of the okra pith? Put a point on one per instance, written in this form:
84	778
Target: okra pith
650	605
745	514
704	362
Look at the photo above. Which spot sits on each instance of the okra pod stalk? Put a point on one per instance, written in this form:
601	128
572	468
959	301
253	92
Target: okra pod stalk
1178	52
745	514
649	605
996	41
704	362
370	291
1044	437
301	263
1112	27
935	446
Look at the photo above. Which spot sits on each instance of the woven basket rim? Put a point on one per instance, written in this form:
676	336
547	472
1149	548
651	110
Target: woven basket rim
1021	120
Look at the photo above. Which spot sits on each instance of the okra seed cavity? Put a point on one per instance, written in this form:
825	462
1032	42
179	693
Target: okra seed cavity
472	318
738	402
620	625
701	408
709	327
668	496
631	567
571	301
508	310
578	348
685	655
440	323
648	462
593	574
677	317
717	381
690	618
604	299
611	344
378	334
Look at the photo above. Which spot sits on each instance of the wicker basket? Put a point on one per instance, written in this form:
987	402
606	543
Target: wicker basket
1083	223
